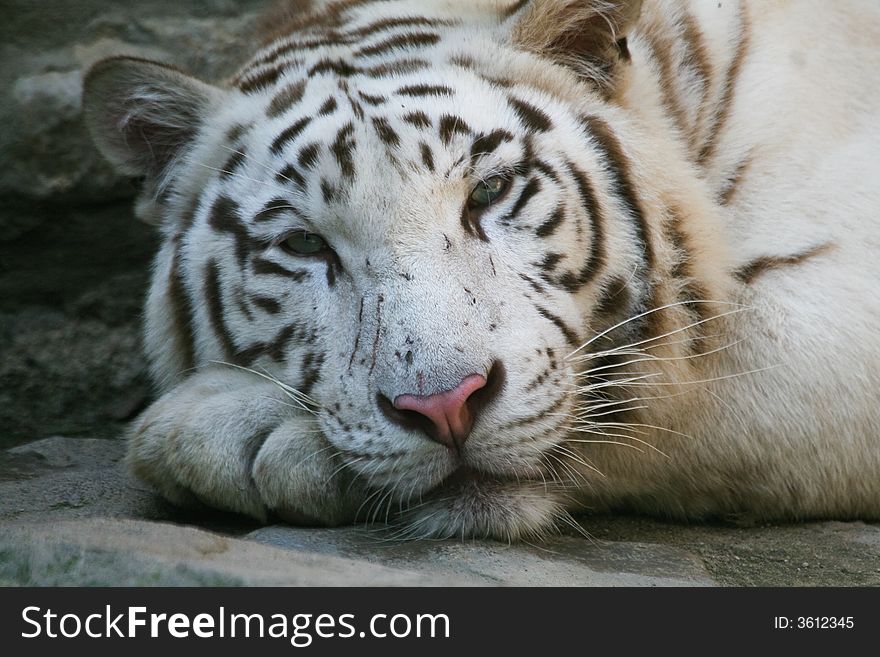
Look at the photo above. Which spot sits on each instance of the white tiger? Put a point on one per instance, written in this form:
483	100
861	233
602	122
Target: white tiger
471	266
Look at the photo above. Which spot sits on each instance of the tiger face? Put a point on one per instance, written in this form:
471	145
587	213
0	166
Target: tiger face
411	223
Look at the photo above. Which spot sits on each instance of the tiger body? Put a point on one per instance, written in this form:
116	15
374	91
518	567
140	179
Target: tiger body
668	307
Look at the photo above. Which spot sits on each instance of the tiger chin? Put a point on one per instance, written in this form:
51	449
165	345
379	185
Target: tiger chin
470	267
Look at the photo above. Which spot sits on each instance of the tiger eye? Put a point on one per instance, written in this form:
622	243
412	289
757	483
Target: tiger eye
488	191
305	244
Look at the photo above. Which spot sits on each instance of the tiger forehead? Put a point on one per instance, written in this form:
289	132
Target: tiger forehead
372	27
443	108
368	41
403	93
419	124
349	45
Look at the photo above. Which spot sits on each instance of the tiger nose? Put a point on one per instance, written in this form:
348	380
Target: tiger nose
447	417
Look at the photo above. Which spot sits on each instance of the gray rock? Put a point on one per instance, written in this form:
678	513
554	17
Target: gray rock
67	377
561	561
859	533
68	240
134	553
59	479
46	151
66	507
71	514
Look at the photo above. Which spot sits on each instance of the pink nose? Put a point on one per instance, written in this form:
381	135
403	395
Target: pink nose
450	418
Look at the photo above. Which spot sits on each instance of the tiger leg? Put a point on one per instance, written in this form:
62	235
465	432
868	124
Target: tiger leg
231	440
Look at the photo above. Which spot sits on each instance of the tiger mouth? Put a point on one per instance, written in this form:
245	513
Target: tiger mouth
466	479
465	475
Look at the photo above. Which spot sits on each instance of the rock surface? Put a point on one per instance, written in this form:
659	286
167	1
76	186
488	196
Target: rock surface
73	261
71	514
45	49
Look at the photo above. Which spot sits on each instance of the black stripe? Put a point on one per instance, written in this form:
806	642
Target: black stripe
375	101
427	156
286	98
696	56
733	181
339	67
267	304
552	224
289	134
312	365
550	262
328	191
399	67
342	148
224	218
386	24
399	41
663	47
488	144
290	174
243	305
345	69
547	170
472	225
555	406
181	312
503	83
386	133
214	299
263	267
569	280
532	188
234	162
236	132
277	207
260	80
616	300
451	126
328	107
464	61
294	46
531	117
308	156
419	90
721	113
570	335
418	119
535	285
356	107
276	349
622	183
332	265
748	273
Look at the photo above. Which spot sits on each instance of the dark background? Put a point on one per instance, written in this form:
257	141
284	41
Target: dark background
74	262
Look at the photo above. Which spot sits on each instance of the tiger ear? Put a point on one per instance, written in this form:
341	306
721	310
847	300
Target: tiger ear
143	114
587	35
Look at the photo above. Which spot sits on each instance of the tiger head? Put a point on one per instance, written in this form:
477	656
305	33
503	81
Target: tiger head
413	215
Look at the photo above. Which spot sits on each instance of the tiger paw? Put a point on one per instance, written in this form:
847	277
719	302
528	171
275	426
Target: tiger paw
235	441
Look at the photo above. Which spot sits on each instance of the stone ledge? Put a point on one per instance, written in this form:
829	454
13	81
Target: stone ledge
104	552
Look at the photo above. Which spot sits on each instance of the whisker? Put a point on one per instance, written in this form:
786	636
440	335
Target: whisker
618	443
619	435
740	309
268	168
236	174
736	375
303	401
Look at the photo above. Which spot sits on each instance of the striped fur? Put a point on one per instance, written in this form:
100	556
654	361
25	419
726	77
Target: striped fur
677	285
